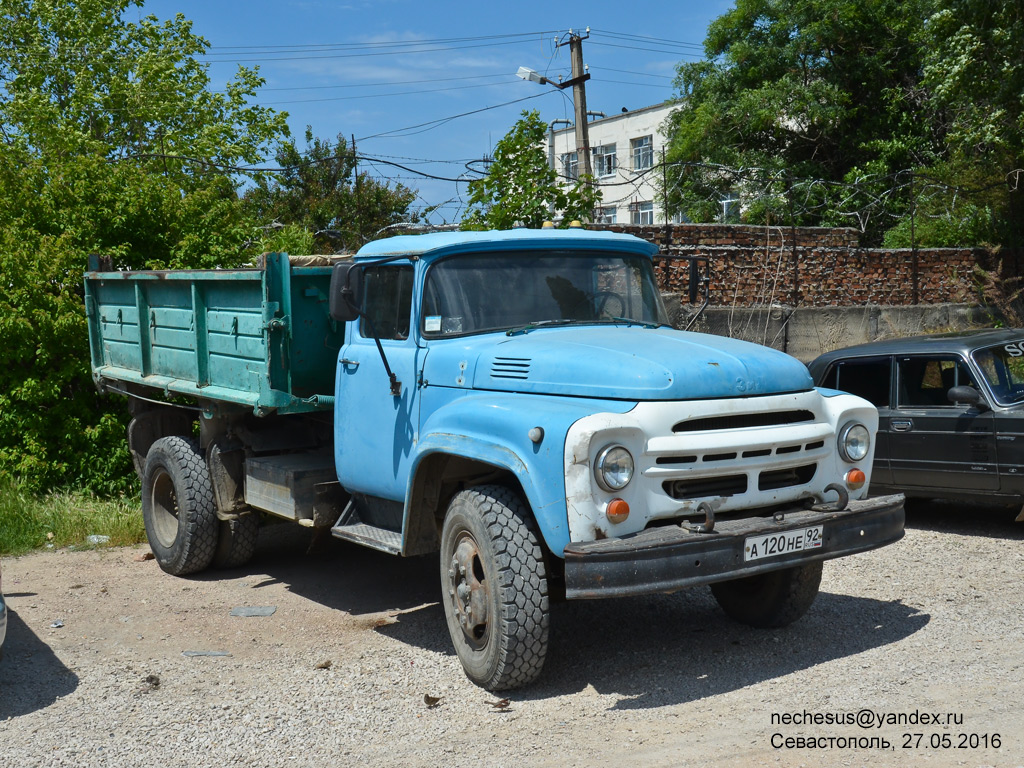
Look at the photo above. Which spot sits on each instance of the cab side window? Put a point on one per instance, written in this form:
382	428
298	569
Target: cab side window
387	292
925	382
865	378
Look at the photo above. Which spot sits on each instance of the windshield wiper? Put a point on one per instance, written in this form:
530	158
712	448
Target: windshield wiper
631	321
541	323
605	321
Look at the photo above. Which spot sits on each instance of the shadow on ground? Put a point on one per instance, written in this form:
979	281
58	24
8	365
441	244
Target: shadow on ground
31	675
652	651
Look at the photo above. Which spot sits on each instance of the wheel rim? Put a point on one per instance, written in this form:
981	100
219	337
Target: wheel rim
469	591
164	503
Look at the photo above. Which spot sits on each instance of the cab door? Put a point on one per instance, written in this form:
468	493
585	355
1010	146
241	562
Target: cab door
374	429
934	443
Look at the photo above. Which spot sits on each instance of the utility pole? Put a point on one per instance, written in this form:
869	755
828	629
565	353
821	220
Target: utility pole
355	187
579	99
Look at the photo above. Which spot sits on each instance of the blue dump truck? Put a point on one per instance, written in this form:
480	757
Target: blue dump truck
515	401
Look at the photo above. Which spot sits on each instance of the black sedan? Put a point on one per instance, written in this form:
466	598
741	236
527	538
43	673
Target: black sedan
950	408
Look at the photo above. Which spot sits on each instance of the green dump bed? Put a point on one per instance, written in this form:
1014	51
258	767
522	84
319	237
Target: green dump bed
257	338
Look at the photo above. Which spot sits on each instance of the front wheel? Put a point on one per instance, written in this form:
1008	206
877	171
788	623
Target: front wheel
495	588
177	506
770	600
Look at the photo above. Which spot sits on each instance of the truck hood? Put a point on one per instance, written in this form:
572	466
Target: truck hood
616	362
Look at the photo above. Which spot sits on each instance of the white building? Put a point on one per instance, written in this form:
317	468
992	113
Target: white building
626	150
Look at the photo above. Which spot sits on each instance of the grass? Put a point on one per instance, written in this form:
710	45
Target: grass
64	519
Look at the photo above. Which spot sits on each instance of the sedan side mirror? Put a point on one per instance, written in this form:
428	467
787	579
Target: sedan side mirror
346	292
964	395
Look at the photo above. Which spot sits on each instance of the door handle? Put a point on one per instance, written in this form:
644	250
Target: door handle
901	425
349	363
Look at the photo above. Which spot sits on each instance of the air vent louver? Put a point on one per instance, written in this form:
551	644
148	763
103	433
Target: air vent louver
510	368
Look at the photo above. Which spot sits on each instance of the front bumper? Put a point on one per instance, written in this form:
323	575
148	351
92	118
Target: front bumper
668	558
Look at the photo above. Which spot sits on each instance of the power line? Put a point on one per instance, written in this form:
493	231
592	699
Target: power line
645	38
383	83
442	120
361	55
393	93
377	44
630	72
649	50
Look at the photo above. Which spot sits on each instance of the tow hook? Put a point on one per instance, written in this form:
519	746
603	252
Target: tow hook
839	505
708	526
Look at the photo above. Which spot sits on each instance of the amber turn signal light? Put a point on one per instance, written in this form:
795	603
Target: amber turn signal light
618	511
855	479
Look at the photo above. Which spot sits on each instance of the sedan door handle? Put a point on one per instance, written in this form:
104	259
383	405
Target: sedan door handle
902	425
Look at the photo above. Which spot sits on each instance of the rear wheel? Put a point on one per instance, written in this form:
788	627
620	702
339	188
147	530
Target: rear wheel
236	541
177	506
495	588
772	599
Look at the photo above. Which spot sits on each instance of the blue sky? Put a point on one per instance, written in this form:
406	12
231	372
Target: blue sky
389	72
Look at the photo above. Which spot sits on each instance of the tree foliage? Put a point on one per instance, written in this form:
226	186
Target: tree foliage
884	115
521	189
322	192
79	78
94	110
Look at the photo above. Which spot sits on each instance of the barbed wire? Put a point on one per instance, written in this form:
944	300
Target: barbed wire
866	202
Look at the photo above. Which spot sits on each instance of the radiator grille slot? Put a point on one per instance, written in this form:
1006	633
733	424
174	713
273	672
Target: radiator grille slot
786	478
744	421
728	485
676	460
510	368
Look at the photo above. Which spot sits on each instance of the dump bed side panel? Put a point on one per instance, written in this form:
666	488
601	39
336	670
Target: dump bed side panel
260	338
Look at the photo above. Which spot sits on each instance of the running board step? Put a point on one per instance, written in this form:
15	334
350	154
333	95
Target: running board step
370	536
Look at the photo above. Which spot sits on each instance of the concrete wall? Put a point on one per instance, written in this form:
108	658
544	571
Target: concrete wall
806	332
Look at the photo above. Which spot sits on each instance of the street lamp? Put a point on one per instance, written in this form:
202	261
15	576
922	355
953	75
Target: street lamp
533	76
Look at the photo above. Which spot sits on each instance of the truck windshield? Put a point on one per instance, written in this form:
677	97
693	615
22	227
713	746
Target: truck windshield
475	293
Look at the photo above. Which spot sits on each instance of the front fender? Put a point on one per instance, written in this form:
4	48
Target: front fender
494	428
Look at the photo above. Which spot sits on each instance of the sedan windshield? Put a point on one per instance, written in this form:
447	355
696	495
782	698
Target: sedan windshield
507	291
1003	368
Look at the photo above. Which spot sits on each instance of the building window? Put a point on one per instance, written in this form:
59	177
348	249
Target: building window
604	160
643	153
641	213
606	214
570	166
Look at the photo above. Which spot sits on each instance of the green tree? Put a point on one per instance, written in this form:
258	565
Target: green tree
322	191
975	73
94	111
520	188
817	89
79	78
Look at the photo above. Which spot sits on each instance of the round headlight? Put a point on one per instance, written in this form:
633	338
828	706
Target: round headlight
854	442
614	468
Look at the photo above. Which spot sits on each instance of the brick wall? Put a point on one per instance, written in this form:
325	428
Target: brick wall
813	267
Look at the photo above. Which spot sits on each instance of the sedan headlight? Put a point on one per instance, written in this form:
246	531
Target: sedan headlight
614	468
854	442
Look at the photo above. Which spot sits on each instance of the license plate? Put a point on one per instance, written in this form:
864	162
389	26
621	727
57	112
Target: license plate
784	543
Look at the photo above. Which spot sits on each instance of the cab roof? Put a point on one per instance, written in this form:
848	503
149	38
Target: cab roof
960	342
437	243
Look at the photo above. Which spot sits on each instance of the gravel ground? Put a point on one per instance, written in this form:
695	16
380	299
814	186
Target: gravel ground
94	674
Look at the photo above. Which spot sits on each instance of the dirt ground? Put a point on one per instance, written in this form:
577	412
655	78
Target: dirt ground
914	649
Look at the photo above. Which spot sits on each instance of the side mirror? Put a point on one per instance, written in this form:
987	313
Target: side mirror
965	395
346	292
